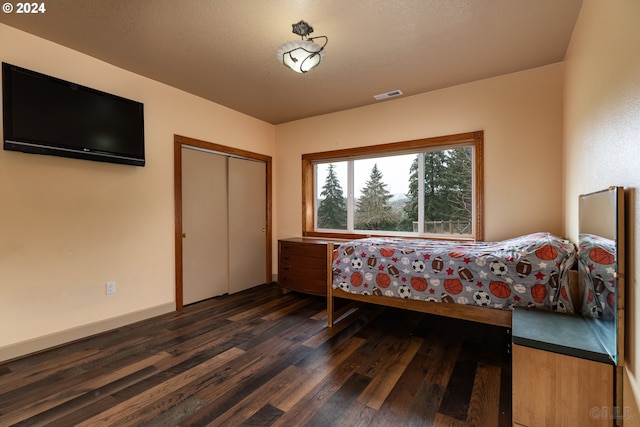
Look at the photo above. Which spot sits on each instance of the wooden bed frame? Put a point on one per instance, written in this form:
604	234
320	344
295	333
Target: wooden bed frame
458	311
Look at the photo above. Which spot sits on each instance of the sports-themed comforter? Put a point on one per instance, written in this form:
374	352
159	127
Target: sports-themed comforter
530	270
597	264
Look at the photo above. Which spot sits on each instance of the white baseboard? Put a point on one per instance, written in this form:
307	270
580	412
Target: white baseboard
44	342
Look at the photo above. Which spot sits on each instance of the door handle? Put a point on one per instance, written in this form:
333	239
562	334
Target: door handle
184	235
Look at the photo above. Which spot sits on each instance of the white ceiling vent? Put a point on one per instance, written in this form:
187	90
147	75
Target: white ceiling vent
391	94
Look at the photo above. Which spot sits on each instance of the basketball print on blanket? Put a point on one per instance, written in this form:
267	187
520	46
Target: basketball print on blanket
530	270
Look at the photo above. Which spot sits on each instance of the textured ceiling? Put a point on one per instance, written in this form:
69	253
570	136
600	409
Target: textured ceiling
225	50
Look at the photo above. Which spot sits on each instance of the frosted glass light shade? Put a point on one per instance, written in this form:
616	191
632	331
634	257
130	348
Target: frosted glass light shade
300	55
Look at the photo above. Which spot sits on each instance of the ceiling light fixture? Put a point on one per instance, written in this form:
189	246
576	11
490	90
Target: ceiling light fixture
302	55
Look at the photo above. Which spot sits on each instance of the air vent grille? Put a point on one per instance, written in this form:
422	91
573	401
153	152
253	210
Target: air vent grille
390	94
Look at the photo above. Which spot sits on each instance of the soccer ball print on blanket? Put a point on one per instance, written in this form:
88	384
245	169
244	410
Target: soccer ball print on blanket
530	270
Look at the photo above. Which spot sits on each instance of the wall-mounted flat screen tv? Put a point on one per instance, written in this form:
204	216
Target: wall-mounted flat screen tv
47	115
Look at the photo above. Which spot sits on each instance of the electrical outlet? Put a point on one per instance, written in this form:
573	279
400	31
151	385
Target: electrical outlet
111	288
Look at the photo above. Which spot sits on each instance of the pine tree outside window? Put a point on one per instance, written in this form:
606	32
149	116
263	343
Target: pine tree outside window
332	204
424	188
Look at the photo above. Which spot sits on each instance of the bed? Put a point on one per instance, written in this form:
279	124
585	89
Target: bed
477	281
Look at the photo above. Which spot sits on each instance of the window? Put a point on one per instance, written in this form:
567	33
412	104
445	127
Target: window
423	188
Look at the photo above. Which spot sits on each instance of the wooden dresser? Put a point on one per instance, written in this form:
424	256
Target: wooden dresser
303	264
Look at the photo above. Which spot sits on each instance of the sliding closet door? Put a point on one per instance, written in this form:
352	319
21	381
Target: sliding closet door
204	224
247	224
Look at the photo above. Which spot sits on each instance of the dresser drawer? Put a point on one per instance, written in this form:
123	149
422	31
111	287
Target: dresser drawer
303	271
293	249
302	265
307	286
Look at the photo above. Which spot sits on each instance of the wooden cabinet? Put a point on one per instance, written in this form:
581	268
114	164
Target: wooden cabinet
303	264
562	374
551	389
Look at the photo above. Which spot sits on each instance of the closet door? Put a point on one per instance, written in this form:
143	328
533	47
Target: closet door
247	223
204	223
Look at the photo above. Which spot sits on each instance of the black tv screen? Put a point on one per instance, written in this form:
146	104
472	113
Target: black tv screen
47	115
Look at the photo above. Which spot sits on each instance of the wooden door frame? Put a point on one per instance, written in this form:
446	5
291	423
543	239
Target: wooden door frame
180	141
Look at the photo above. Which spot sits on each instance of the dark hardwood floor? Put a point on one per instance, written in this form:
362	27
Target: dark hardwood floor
260	358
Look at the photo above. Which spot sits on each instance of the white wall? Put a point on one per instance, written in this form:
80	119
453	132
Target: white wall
68	226
602	139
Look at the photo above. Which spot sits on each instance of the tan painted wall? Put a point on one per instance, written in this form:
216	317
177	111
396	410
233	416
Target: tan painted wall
602	138
521	115
68	226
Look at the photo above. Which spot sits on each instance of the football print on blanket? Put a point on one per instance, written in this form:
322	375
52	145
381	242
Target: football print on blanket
528	271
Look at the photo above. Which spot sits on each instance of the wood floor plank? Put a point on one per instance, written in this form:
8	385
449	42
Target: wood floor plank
378	390
261	357
208	345
284	311
311	374
358	415
455	402
399	401
88	404
424	407
266	330
245	400
72	418
446	421
124	412
441	355
35	373
66	373
312	401
504	403
355	319
330	413
288	383
261	398
486	389
267	307
57	399
245	374
176	414
266	416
